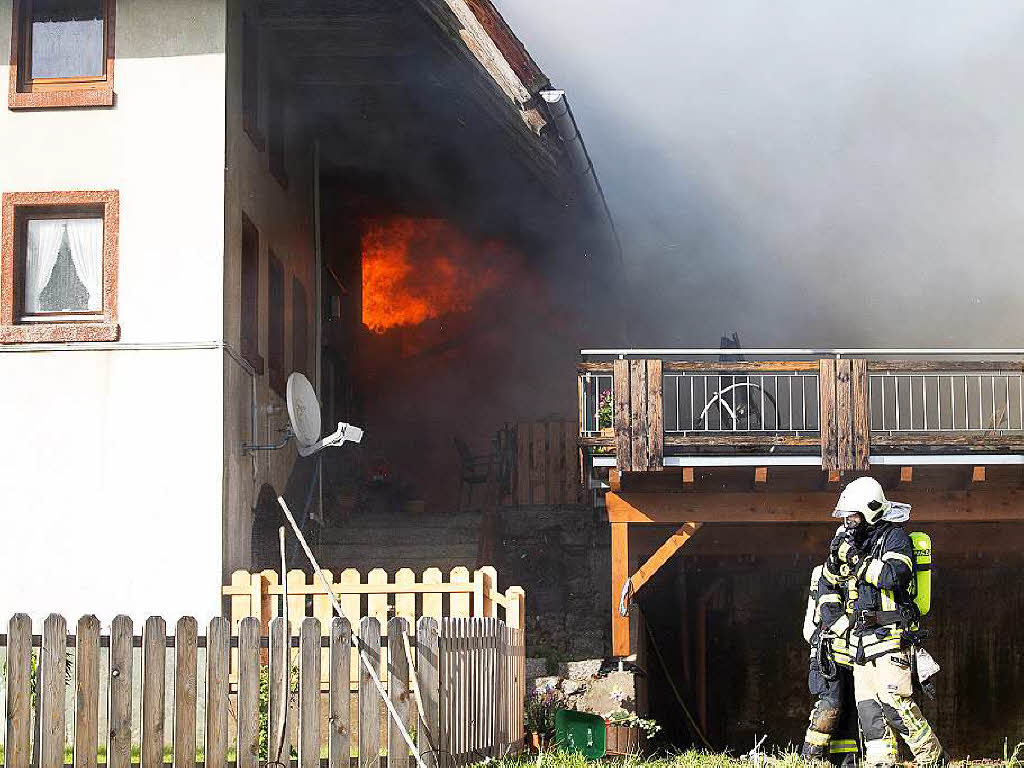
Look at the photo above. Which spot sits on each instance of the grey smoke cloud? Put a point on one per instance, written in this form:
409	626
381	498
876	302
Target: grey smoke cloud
805	172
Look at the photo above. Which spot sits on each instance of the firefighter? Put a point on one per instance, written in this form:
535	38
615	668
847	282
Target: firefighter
832	733
879	555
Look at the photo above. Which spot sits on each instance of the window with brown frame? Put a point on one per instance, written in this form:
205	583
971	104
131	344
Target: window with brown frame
275	324
300	326
276	134
249	327
251	79
62	54
58	267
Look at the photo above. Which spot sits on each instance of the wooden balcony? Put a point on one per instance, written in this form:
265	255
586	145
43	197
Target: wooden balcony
845	413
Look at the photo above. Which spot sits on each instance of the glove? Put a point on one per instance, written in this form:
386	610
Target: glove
848	552
862	568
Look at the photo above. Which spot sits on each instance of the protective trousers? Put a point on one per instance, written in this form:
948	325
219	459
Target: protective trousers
832	733
884	688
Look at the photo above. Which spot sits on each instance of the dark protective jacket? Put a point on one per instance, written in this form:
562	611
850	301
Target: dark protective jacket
834	604
883	584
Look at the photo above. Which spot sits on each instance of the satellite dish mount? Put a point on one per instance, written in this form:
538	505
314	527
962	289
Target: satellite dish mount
304	422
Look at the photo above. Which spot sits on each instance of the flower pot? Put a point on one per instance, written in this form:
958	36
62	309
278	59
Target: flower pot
624	740
535	742
607	431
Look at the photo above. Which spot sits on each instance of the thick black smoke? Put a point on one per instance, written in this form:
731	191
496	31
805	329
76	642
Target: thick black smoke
809	173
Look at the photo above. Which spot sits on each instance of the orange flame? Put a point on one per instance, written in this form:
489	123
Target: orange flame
418	269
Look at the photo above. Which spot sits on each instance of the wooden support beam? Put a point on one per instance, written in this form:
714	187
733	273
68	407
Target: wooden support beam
906	475
687	475
760	476
827	414
620	572
978	475
662	556
975	505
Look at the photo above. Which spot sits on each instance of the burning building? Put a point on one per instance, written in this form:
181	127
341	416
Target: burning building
386	196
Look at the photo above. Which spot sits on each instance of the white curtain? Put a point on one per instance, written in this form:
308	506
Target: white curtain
44	238
85	238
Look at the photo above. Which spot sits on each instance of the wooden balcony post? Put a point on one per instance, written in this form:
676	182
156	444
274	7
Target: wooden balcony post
861	415
621	417
639	418
620	572
827	414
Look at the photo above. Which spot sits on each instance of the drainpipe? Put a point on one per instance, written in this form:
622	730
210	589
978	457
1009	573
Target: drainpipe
561	115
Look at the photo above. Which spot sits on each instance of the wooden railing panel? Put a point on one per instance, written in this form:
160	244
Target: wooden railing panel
827	416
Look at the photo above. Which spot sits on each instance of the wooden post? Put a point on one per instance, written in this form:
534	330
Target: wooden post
154	666
369	698
87	691
515	611
844	414
861	416
827	414
655	417
218	644
309	694
639	426
620	572
248	693
50	694
279	676
432	601
19	687
398	692
621	417
185	668
339	695
459	602
428	678
119	694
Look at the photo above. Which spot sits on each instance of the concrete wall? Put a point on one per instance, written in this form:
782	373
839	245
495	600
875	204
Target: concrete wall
284	217
110	463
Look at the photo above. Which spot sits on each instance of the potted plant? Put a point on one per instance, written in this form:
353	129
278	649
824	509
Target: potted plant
628	732
605	409
539	719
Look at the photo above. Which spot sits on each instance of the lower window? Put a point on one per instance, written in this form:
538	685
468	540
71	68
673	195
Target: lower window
59	273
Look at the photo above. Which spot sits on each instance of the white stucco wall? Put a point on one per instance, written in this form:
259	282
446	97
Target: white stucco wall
284	217
111	467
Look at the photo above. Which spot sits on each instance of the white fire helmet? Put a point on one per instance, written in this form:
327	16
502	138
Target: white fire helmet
863	495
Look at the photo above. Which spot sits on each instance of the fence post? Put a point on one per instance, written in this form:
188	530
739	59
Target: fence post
398	691
119	745
427	669
339	694
515	607
19	687
369	698
248	750
87	691
279	674
218	644
185	658
309	693
50	693
154	667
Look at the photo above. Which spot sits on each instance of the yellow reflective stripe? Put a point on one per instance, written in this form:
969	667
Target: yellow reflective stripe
897	556
816	738
888	600
842	745
830	577
873	571
831	598
840	625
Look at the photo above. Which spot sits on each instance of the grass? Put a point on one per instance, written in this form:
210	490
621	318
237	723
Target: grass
1011	758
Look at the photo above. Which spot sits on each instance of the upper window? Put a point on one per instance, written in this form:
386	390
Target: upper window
275	323
59	275
300	328
251	80
249	330
63	53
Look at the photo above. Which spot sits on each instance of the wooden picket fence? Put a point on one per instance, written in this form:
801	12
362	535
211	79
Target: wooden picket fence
261	596
470	674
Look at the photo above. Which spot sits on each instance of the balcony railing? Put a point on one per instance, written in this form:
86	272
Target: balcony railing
848	408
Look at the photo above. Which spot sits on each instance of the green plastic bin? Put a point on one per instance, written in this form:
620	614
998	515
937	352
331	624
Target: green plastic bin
580	732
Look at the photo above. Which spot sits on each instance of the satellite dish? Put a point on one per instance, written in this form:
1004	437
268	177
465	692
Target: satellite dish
304	414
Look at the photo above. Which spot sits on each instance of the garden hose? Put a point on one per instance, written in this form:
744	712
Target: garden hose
679	698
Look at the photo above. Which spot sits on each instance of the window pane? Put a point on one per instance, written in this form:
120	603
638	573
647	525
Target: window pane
64	265
67	38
